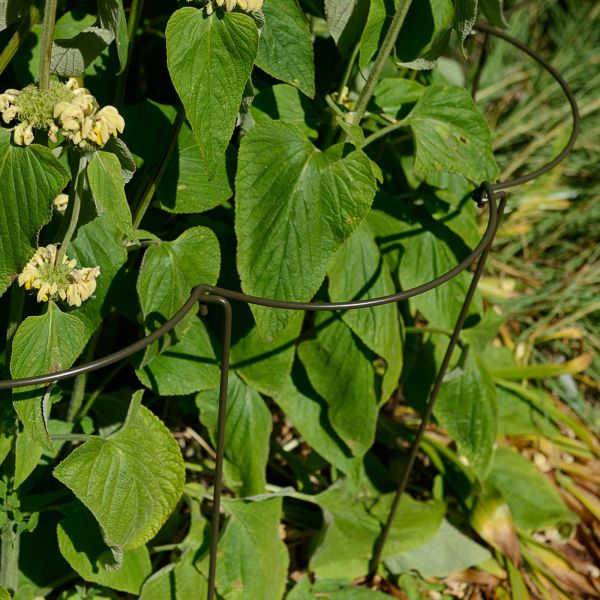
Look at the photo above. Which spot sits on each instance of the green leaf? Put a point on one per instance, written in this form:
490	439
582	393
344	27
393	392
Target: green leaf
80	542
210	59
357	272
285	49
451	135
266	365
350	533
31	178
308	415
346	19
27	457
71	57
248	426
494	12
98	243
12	10
392	93
106	183
170	270
466	409
332	589
130	480
185	186
534	502
189	365
350	393
295	206
449	551
464	18
253	559
112	17
176	581
285	103
44	344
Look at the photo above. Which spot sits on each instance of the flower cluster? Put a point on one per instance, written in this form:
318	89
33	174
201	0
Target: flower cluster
65	109
53	281
229	5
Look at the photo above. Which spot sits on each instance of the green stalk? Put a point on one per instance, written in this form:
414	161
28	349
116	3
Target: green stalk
135	13
383	132
18	36
74	206
47	39
9	557
384	52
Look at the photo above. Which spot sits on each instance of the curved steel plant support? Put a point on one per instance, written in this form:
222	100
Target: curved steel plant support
205	294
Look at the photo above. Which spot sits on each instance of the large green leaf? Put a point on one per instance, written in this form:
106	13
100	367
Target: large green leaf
185	186
295	206
350	533
358	272
247	435
111	16
448	551
534	503
466	408
346	19
80	542
253	559
186	366
106	184
44	344
266	365
341	371
31	178
210	59
285	49
451	135
308	415
130	480
170	270
99	243
176	581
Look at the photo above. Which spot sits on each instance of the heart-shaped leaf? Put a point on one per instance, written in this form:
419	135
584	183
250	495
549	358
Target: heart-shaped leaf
210	59
295	206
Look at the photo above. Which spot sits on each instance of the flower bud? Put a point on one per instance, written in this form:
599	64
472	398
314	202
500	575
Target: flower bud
23	134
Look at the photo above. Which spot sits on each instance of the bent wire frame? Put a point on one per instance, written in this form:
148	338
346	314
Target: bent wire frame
493	195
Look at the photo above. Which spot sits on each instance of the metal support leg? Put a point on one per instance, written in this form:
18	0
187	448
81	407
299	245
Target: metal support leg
227	322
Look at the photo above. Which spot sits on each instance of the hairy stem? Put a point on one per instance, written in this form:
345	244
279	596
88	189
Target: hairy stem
74	206
384	52
135	13
383	132
148	193
18	36
47	39
9	557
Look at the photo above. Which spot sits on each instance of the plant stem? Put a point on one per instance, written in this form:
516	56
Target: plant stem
15	315
9	557
384	52
47	39
18	36
135	13
148	193
74	206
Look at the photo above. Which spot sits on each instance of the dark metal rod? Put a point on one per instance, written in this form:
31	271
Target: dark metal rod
432	399
565	88
218	484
